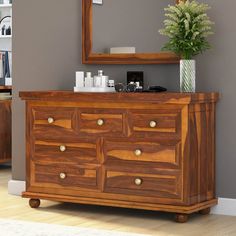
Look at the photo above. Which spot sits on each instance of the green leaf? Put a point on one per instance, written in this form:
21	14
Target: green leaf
187	26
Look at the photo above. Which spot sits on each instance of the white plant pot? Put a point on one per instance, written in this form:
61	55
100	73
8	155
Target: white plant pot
187	76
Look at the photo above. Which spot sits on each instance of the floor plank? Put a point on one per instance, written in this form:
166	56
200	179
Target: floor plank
108	218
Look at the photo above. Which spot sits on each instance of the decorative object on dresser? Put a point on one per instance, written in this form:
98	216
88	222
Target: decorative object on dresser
187	26
96	84
133	150
136	77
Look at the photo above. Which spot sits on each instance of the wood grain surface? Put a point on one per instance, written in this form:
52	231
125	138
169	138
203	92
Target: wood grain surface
5	131
122	159
93	216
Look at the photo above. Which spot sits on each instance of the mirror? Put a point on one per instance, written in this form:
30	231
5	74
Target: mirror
124	32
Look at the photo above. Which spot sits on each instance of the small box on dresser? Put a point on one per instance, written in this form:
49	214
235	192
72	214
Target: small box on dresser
134	150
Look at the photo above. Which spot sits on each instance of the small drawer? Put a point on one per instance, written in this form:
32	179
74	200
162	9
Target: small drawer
149	185
156	123
53	121
81	152
68	176
165	152
104	123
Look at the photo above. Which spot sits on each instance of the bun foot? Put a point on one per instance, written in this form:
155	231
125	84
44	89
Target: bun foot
34	203
181	218
205	211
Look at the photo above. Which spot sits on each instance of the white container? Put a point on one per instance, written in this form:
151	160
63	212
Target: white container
111	83
79	79
120	50
104	82
97	81
94	90
101	81
8	81
88	81
99	2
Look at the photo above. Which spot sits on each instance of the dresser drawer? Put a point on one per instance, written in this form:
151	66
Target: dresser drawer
165	152
53	121
81	152
101	122
68	176
161	122
151	185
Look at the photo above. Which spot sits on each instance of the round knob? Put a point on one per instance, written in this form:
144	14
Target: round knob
138	152
62	148
100	122
50	120
153	124
138	181
62	175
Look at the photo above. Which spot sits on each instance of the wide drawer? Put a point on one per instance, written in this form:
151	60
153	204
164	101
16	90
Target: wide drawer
146	123
106	123
66	152
53	122
143	184
166	153
67	176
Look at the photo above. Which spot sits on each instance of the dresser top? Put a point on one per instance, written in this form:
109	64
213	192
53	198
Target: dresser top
164	97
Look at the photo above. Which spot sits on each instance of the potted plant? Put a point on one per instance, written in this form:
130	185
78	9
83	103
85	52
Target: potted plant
187	26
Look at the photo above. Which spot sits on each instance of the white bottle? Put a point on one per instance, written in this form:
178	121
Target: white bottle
88	82
104	79
98	79
79	79
100	73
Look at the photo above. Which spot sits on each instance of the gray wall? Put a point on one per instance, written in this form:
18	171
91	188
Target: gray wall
47	52
124	23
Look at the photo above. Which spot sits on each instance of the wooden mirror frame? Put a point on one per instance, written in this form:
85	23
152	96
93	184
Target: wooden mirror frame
88	57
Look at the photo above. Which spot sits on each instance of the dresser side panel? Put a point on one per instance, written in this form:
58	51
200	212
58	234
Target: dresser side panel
202	153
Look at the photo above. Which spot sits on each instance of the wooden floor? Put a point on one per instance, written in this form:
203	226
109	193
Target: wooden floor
136	221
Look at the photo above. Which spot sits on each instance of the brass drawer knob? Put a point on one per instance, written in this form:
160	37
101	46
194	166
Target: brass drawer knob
62	175
138	152
62	148
100	122
153	124
50	120
138	181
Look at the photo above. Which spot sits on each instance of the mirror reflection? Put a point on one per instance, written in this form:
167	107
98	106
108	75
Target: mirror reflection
128	26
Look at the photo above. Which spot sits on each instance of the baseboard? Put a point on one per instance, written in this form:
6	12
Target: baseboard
226	206
16	187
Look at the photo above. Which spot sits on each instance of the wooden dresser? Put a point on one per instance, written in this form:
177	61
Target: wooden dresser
134	150
5	126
